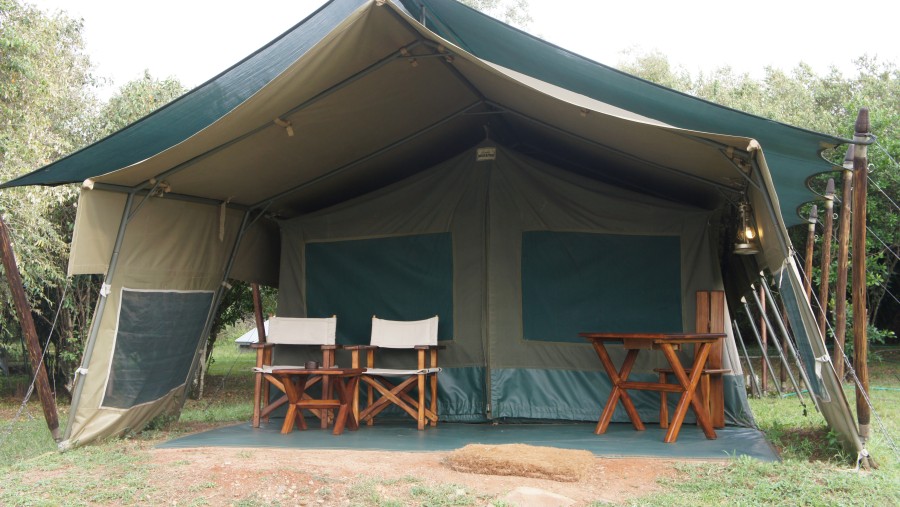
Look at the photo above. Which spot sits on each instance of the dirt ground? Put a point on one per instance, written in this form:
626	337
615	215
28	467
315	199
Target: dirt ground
226	476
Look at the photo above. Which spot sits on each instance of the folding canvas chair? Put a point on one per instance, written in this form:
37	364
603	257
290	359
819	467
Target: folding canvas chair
393	385
289	331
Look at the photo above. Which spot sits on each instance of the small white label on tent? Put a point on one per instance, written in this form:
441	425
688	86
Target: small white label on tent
484	154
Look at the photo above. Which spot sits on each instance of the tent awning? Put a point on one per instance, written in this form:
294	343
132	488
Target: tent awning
363	120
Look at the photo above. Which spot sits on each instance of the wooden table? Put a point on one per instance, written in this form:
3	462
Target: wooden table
687	385
345	383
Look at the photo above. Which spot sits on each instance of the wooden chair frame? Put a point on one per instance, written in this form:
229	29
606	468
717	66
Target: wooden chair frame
262	407
391	392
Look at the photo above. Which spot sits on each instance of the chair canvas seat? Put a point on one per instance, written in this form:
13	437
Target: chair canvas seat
420	335
273	368
390	372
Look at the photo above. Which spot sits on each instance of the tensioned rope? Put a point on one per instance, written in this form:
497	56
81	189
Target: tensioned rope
886	246
851	371
877	186
40	365
886	196
221	386
880	284
227	373
887	153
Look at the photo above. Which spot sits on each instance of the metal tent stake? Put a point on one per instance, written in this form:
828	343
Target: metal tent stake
762	347
740	339
778	347
790	344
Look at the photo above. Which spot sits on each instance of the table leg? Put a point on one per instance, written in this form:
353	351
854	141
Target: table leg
294	416
350	390
291	416
345	388
663	403
617	393
688	396
257	399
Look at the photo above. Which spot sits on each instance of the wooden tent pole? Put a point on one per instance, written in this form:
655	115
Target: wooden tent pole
258	313
860	310
260	339
840	288
26	322
826	257
810	243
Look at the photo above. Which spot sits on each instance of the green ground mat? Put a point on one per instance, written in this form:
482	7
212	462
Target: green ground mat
620	439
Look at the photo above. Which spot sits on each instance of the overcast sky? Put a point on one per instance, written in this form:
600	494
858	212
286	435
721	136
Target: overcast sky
194	40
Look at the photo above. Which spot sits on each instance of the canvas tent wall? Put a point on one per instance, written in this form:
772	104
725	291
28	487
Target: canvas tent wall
516	257
358	97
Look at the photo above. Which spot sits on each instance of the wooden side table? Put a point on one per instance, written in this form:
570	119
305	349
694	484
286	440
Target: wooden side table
687	384
346	381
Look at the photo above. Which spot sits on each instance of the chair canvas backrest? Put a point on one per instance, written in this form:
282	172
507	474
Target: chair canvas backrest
404	334
302	331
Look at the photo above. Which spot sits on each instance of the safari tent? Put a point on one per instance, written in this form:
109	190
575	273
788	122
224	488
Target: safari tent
416	158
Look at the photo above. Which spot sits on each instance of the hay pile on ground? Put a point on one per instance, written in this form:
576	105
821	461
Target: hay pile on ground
566	465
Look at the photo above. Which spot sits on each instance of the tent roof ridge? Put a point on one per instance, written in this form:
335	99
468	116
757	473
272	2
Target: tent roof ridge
433	14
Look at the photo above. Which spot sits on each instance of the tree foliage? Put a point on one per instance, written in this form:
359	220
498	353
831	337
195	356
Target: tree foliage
134	101
826	103
46	107
514	12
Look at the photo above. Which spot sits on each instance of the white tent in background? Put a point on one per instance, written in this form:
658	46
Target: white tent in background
251	336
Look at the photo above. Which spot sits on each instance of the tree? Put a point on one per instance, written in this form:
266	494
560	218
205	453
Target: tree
829	104
514	12
49	110
135	100
45	109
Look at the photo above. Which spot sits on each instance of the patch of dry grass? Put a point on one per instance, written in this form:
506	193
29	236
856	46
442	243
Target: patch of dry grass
565	465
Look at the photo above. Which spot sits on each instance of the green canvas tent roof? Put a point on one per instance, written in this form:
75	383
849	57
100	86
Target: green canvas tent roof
793	154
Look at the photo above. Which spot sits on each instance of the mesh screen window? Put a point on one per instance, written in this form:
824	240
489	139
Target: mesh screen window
158	335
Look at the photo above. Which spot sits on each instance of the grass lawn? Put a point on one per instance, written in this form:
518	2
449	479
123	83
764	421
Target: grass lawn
814	470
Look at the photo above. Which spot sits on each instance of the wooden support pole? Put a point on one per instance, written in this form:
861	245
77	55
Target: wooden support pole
826	257
860	309
810	243
840	288
26	321
258	313
259	396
